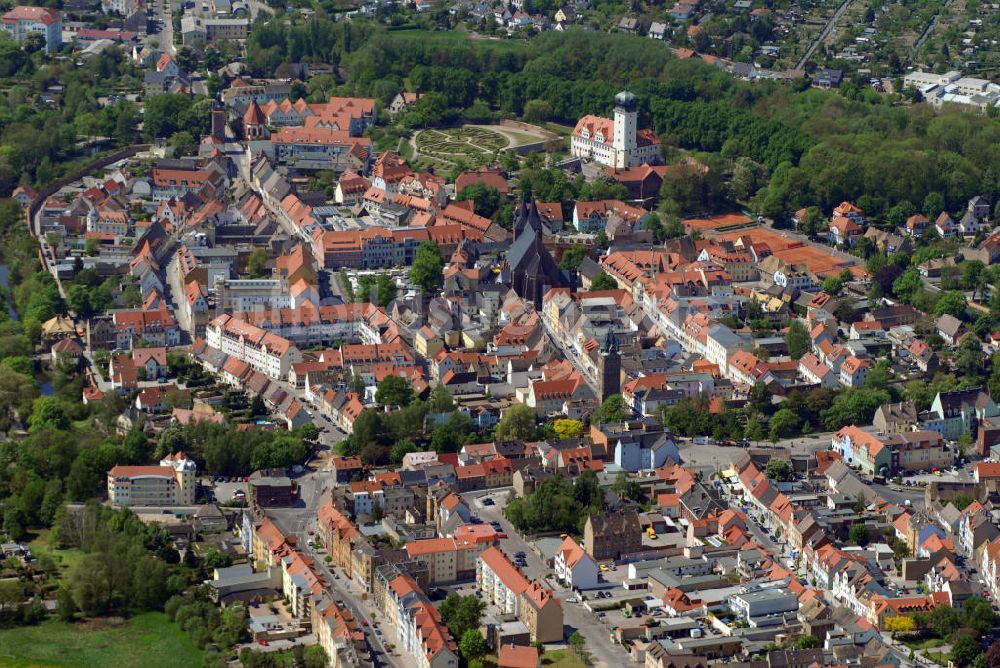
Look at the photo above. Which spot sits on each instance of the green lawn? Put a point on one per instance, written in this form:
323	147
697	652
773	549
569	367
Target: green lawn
148	640
65	559
937	657
562	658
927	643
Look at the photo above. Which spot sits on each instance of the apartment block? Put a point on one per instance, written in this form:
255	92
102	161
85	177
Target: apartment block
503	585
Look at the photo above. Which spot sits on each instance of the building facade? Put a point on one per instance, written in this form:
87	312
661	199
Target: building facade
20	22
616	143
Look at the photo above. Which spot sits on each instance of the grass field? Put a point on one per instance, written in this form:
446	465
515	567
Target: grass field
562	658
145	641
65	559
927	643
939	658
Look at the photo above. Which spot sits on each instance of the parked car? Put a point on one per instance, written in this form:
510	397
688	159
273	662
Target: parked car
488	501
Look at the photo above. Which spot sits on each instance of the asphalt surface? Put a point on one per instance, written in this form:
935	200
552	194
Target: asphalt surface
604	653
345	590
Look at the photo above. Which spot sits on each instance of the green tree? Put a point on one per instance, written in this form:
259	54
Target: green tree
973	274
217	559
427	267
951	303
613	410
933	205
485	199
860	504
797	339
537	111
401	448
17	393
627	488
813	222
778	469
65	607
879	376
472	645
461	614
807	641
257	263
859	534
907	284
572	257
165	114
978	614
603	188
516	424
183	143
394	391
440	401
385	289
964	651
48	413
603	281
833	285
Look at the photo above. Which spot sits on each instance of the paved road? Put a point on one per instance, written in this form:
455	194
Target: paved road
604	653
363	610
823	34
165	37
572	356
900	495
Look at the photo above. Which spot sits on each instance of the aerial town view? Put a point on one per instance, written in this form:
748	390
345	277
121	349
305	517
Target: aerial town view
499	334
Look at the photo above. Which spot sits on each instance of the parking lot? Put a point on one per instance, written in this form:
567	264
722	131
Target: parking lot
223	492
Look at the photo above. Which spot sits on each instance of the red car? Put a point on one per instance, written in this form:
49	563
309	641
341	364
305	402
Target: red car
262	643
364	622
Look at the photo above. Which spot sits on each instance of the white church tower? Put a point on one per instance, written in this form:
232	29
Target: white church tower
626	111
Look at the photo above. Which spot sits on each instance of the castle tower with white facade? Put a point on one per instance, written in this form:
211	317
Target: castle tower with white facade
616	142
626	113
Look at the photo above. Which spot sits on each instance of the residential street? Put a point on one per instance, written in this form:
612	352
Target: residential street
363	610
604	652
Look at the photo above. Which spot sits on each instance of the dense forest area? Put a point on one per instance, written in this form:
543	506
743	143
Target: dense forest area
815	147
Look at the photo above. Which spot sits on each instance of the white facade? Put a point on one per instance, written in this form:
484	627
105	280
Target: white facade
269	354
23	21
614	143
583	574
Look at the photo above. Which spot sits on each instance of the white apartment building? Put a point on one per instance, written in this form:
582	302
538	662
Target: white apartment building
166	485
265	352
